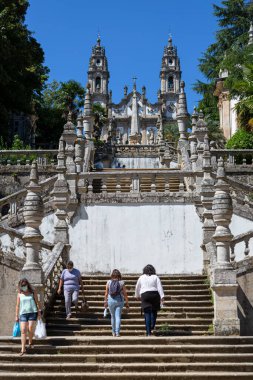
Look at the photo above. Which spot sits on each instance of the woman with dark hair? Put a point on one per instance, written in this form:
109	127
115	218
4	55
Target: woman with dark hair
27	312
71	280
150	291
115	293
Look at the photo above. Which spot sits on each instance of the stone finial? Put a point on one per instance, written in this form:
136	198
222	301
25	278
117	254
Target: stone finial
69	126
87	114
194	119
143	91
110	96
34	177
170	42
98	40
201	123
182	113
250	42
125	91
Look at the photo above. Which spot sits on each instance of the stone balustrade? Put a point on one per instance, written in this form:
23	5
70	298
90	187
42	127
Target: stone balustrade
244	238
233	157
116	182
44	157
52	271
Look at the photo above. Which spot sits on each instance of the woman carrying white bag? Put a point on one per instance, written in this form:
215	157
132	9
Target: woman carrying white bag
27	312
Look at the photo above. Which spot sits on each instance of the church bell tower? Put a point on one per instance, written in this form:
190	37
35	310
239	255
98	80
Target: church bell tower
170	76
98	74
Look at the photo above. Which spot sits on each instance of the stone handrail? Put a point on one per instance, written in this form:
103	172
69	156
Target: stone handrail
13	233
44	157
245	237
232	156
14	200
52	270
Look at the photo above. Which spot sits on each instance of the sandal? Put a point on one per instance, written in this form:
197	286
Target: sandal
22	353
31	345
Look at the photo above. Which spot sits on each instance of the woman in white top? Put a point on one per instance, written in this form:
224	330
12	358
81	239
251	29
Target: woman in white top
150	291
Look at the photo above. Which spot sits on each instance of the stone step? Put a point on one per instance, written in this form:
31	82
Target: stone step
114	347
178	277
95	312
129	357
136	309
171	297
165	282
193	375
131	287
127	367
167	292
136	304
128	322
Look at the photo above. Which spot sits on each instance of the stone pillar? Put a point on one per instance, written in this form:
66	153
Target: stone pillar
60	195
87	115
224	283
182	113
79	146
207	194
193	140
33	214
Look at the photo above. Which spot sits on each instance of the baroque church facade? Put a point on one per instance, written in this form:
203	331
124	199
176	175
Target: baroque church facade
135	120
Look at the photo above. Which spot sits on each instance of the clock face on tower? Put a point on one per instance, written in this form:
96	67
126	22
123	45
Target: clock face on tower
98	62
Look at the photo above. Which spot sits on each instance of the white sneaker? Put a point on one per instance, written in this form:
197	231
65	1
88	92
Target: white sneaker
68	316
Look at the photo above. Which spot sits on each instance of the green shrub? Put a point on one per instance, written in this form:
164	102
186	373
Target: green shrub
240	140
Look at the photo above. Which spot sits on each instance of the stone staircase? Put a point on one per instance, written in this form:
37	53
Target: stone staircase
188	309
83	348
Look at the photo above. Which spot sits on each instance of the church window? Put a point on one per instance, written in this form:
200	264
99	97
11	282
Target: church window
170	83
98	62
98	83
170	61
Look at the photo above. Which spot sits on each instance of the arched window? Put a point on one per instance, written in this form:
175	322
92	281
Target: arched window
98	83
170	61
171	84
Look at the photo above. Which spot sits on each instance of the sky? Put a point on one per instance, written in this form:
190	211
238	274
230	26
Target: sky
133	32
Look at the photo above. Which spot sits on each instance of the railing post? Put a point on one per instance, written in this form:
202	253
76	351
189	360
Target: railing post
181	184
153	184
61	199
167	184
118	186
104	186
224	283
33	214
207	193
135	187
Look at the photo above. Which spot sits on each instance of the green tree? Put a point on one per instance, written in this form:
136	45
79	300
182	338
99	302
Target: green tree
57	99
100	118
171	133
234	21
22	73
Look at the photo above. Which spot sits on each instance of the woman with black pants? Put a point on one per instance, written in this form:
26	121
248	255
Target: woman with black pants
150	291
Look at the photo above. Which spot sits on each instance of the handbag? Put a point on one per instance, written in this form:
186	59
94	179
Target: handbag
16	332
84	305
40	331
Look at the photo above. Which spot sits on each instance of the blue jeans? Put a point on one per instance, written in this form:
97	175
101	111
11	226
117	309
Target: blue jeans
150	321
115	305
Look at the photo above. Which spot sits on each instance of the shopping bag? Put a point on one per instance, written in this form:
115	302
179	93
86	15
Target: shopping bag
16	332
40	331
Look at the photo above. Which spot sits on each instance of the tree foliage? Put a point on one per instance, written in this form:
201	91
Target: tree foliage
56	101
240	140
100	118
227	52
171	132
22	73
